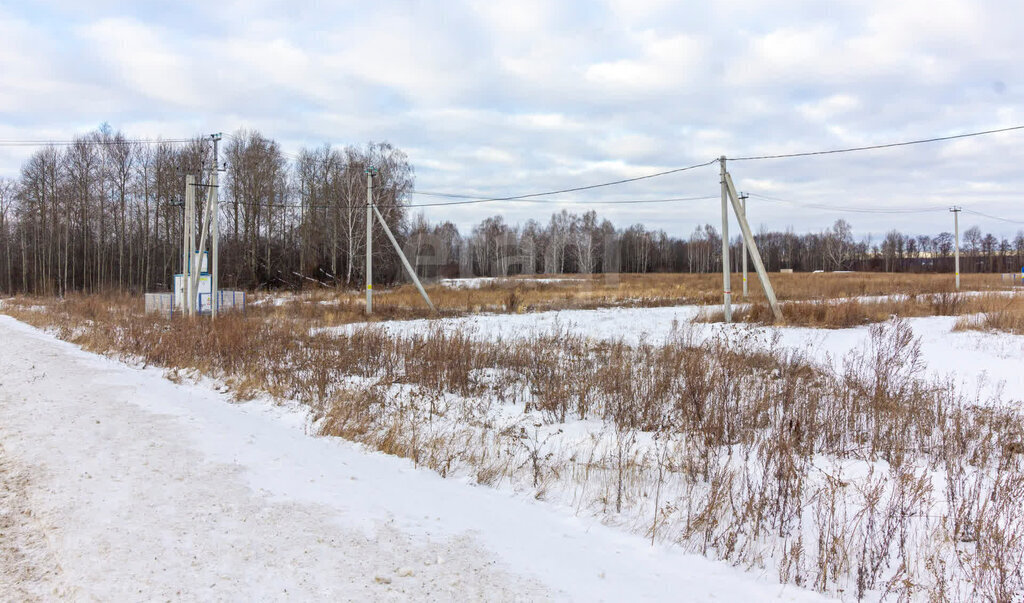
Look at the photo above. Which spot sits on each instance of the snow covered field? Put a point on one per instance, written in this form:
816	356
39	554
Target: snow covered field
127	486
483	281
559	481
981	364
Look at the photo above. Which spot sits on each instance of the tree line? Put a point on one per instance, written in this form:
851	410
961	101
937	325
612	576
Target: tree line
571	242
105	212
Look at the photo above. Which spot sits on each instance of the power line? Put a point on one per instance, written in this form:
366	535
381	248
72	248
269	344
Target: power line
466	199
848	209
44	143
470	199
473	199
450	195
477	198
544	201
525	198
978	213
565	190
877	146
633	201
881	211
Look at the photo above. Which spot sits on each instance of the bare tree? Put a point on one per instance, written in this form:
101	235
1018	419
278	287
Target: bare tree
7	190
839	244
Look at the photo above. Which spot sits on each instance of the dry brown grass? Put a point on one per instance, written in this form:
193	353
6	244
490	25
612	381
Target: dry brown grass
527	294
675	386
845	313
1006	315
740	439
589	291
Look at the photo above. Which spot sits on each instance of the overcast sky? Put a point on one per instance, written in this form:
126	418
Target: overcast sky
504	98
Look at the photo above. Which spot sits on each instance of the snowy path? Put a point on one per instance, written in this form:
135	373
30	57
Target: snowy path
120	485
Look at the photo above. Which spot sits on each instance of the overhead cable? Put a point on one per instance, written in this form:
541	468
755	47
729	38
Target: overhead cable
877	146
565	190
89	141
907	210
545	201
1001	219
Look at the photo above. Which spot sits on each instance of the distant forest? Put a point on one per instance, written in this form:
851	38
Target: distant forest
104	212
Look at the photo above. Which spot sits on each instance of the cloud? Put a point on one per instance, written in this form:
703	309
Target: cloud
827	109
665	63
140	57
500	99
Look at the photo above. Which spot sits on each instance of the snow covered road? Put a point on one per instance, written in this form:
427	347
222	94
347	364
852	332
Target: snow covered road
121	485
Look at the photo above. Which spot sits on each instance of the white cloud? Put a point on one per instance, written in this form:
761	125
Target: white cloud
830	107
142	56
665	62
507	98
546	121
632	147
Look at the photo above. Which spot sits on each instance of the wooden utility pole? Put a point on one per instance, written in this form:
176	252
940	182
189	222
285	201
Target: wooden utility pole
956	242
726	268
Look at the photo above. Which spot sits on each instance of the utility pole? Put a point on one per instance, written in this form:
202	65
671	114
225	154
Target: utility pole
369	240
370	210
188	244
755	255
192	258
726	269
956	209
743	204
405	261
214	198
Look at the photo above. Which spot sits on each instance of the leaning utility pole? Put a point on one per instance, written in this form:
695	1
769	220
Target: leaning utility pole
726	269
370	210
405	260
956	242
196	269
743	199
369	240
748	239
